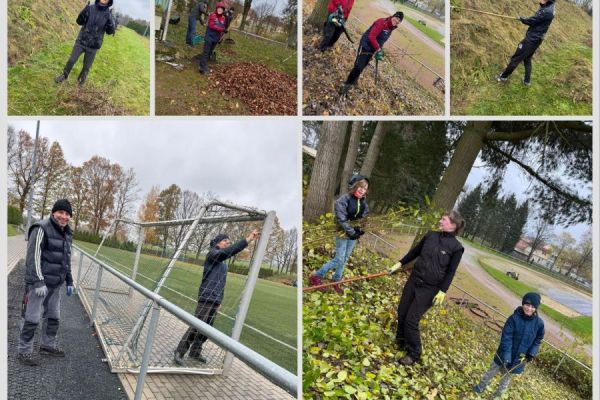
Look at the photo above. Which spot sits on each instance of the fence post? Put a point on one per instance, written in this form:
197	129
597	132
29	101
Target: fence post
96	295
138	253
139	387
79	271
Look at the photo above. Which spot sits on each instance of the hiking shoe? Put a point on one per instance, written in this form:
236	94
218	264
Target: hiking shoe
51	351
199	357
526	83
344	89
27	359
407	360
60	79
178	358
477	389
315	280
501	79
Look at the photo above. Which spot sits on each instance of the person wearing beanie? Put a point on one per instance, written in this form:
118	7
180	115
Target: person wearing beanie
338	12
215	29
438	255
520	342
95	20
538	26
47	267
371	44
211	292
351	206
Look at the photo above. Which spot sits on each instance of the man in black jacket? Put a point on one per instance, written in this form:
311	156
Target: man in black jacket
211	292
95	20
47	267
538	26
439	254
197	13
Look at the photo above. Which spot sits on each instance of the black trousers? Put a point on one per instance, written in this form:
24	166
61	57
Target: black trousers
415	301
88	60
331	34
193	340
361	62
209	47
524	53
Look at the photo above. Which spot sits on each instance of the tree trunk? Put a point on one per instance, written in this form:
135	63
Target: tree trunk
323	178
373	151
292	38
247	5
318	14
357	128
468	147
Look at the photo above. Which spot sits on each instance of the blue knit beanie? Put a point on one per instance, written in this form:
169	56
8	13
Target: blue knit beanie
532	298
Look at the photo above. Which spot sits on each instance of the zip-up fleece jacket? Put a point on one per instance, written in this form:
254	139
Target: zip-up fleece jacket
521	335
377	34
439	254
346	6
48	260
212	287
349	208
95	20
539	22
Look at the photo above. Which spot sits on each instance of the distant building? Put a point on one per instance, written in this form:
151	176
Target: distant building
542	255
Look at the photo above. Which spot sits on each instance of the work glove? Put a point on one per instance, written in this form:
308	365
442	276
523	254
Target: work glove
353	236
529	358
359	231
439	298
395	268
379	55
41	291
69	290
330	17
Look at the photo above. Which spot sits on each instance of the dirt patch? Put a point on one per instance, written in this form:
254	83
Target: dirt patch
89	101
263	90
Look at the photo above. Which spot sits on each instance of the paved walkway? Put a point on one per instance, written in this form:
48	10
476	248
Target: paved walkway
16	247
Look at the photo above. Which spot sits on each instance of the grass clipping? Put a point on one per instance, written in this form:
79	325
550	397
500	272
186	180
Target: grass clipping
263	90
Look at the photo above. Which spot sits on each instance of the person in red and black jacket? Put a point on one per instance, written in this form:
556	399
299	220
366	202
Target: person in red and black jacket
215	29
334	26
371	43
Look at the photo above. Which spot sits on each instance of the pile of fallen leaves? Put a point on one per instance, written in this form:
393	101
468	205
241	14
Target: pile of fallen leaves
396	93
88	100
263	90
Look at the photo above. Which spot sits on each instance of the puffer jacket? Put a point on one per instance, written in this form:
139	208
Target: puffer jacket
48	260
95	21
539	22
521	335
217	24
349	208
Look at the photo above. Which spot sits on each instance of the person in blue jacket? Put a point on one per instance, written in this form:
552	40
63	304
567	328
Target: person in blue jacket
521	338
211	292
351	206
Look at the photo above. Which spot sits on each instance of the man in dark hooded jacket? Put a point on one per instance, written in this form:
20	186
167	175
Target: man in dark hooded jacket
47	267
211	292
196	14
215	29
538	26
95	20
371	43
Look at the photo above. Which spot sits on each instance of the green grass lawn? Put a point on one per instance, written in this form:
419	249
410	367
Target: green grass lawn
272	309
12	230
118	83
580	326
430	32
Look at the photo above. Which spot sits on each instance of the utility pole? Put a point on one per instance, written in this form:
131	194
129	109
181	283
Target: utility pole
33	172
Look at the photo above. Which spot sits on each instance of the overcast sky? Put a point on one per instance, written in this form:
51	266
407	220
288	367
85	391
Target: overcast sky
138	9
251	163
515	181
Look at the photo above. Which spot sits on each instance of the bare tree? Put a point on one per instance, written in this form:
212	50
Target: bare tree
126	194
263	11
542	231
52	169
78	194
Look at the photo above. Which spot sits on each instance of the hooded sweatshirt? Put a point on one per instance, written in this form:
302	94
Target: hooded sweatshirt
540	21
216	24
95	20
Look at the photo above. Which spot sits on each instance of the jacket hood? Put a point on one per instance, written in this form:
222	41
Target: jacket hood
222	5
110	3
355	178
519	311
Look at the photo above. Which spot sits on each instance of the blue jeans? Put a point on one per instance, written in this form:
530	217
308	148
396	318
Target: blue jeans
191	30
343	250
494	370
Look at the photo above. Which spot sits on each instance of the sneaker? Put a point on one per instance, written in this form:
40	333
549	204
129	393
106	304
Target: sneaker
501	79
344	89
477	389
178	358
199	357
60	79
526	83
315	280
407	360
51	351
27	359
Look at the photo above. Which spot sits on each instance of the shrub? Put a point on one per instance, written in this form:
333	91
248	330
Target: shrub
15	217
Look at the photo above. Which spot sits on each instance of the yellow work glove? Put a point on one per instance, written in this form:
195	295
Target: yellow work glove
439	298
395	268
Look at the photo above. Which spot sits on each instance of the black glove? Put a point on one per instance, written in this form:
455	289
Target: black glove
529	358
359	231
353	236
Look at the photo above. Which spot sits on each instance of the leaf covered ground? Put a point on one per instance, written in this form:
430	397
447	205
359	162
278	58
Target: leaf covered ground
324	73
349	351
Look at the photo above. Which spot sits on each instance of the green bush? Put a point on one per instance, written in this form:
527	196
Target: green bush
15	216
569	372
